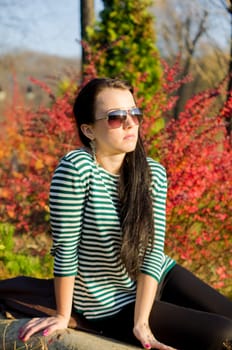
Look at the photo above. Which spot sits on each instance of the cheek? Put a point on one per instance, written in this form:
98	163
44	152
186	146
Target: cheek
102	134
109	137
112	138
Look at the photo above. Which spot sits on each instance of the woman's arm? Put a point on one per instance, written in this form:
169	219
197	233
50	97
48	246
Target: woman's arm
66	202
145	296
63	292
154	257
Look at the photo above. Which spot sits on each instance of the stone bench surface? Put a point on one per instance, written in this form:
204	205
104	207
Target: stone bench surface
67	339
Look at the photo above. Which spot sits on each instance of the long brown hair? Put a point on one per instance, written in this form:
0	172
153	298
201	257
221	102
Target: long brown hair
136	213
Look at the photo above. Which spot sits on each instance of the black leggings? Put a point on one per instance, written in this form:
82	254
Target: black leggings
187	314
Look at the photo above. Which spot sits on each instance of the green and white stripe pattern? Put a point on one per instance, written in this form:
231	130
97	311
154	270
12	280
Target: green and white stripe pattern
87	236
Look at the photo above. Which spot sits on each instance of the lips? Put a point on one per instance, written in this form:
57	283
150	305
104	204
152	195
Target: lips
129	136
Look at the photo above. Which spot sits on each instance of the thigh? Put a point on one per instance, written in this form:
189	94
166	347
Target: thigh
119	326
181	287
188	329
183	328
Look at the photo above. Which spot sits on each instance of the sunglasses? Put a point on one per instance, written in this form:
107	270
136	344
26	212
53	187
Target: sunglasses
117	118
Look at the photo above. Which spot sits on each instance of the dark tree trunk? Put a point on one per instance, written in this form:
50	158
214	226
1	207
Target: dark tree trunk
228	119
190	47
87	19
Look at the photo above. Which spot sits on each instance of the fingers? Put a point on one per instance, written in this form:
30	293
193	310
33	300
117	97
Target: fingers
33	326
154	344
158	345
47	325
147	339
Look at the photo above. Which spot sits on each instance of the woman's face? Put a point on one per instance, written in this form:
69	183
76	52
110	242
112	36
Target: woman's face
121	140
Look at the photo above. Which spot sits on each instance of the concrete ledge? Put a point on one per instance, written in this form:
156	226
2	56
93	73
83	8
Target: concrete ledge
68	339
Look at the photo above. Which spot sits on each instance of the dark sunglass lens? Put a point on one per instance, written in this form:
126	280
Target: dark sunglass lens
137	115
116	118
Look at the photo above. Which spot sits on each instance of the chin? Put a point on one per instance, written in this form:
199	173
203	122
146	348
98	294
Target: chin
130	149
127	148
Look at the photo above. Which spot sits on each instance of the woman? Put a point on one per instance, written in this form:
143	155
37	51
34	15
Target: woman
107	204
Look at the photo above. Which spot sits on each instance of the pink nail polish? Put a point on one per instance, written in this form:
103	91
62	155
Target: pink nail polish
45	332
148	346
21	338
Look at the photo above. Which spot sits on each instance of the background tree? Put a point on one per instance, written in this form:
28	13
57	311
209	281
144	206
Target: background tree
87	19
194	148
187	29
125	36
227	4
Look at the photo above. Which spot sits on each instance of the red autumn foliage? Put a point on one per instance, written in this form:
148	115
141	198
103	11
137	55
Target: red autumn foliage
194	149
197	154
32	144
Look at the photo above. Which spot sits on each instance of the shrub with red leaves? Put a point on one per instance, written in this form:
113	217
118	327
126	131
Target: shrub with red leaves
194	149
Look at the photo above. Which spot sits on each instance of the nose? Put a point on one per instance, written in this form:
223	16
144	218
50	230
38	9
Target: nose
128	123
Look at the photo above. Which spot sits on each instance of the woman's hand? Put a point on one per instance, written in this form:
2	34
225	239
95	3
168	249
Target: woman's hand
48	325
145	296
143	333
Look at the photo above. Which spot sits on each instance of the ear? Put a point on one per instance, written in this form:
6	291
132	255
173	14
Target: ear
88	131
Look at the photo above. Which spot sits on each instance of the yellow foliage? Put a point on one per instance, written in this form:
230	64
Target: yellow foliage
39	164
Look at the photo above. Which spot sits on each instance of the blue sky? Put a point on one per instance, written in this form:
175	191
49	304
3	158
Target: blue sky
50	26
53	26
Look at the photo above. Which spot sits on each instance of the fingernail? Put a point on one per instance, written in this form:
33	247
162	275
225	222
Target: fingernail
20	338
45	332
20	334
148	346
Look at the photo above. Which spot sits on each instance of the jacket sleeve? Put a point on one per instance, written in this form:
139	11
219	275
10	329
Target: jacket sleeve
67	199
154	258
